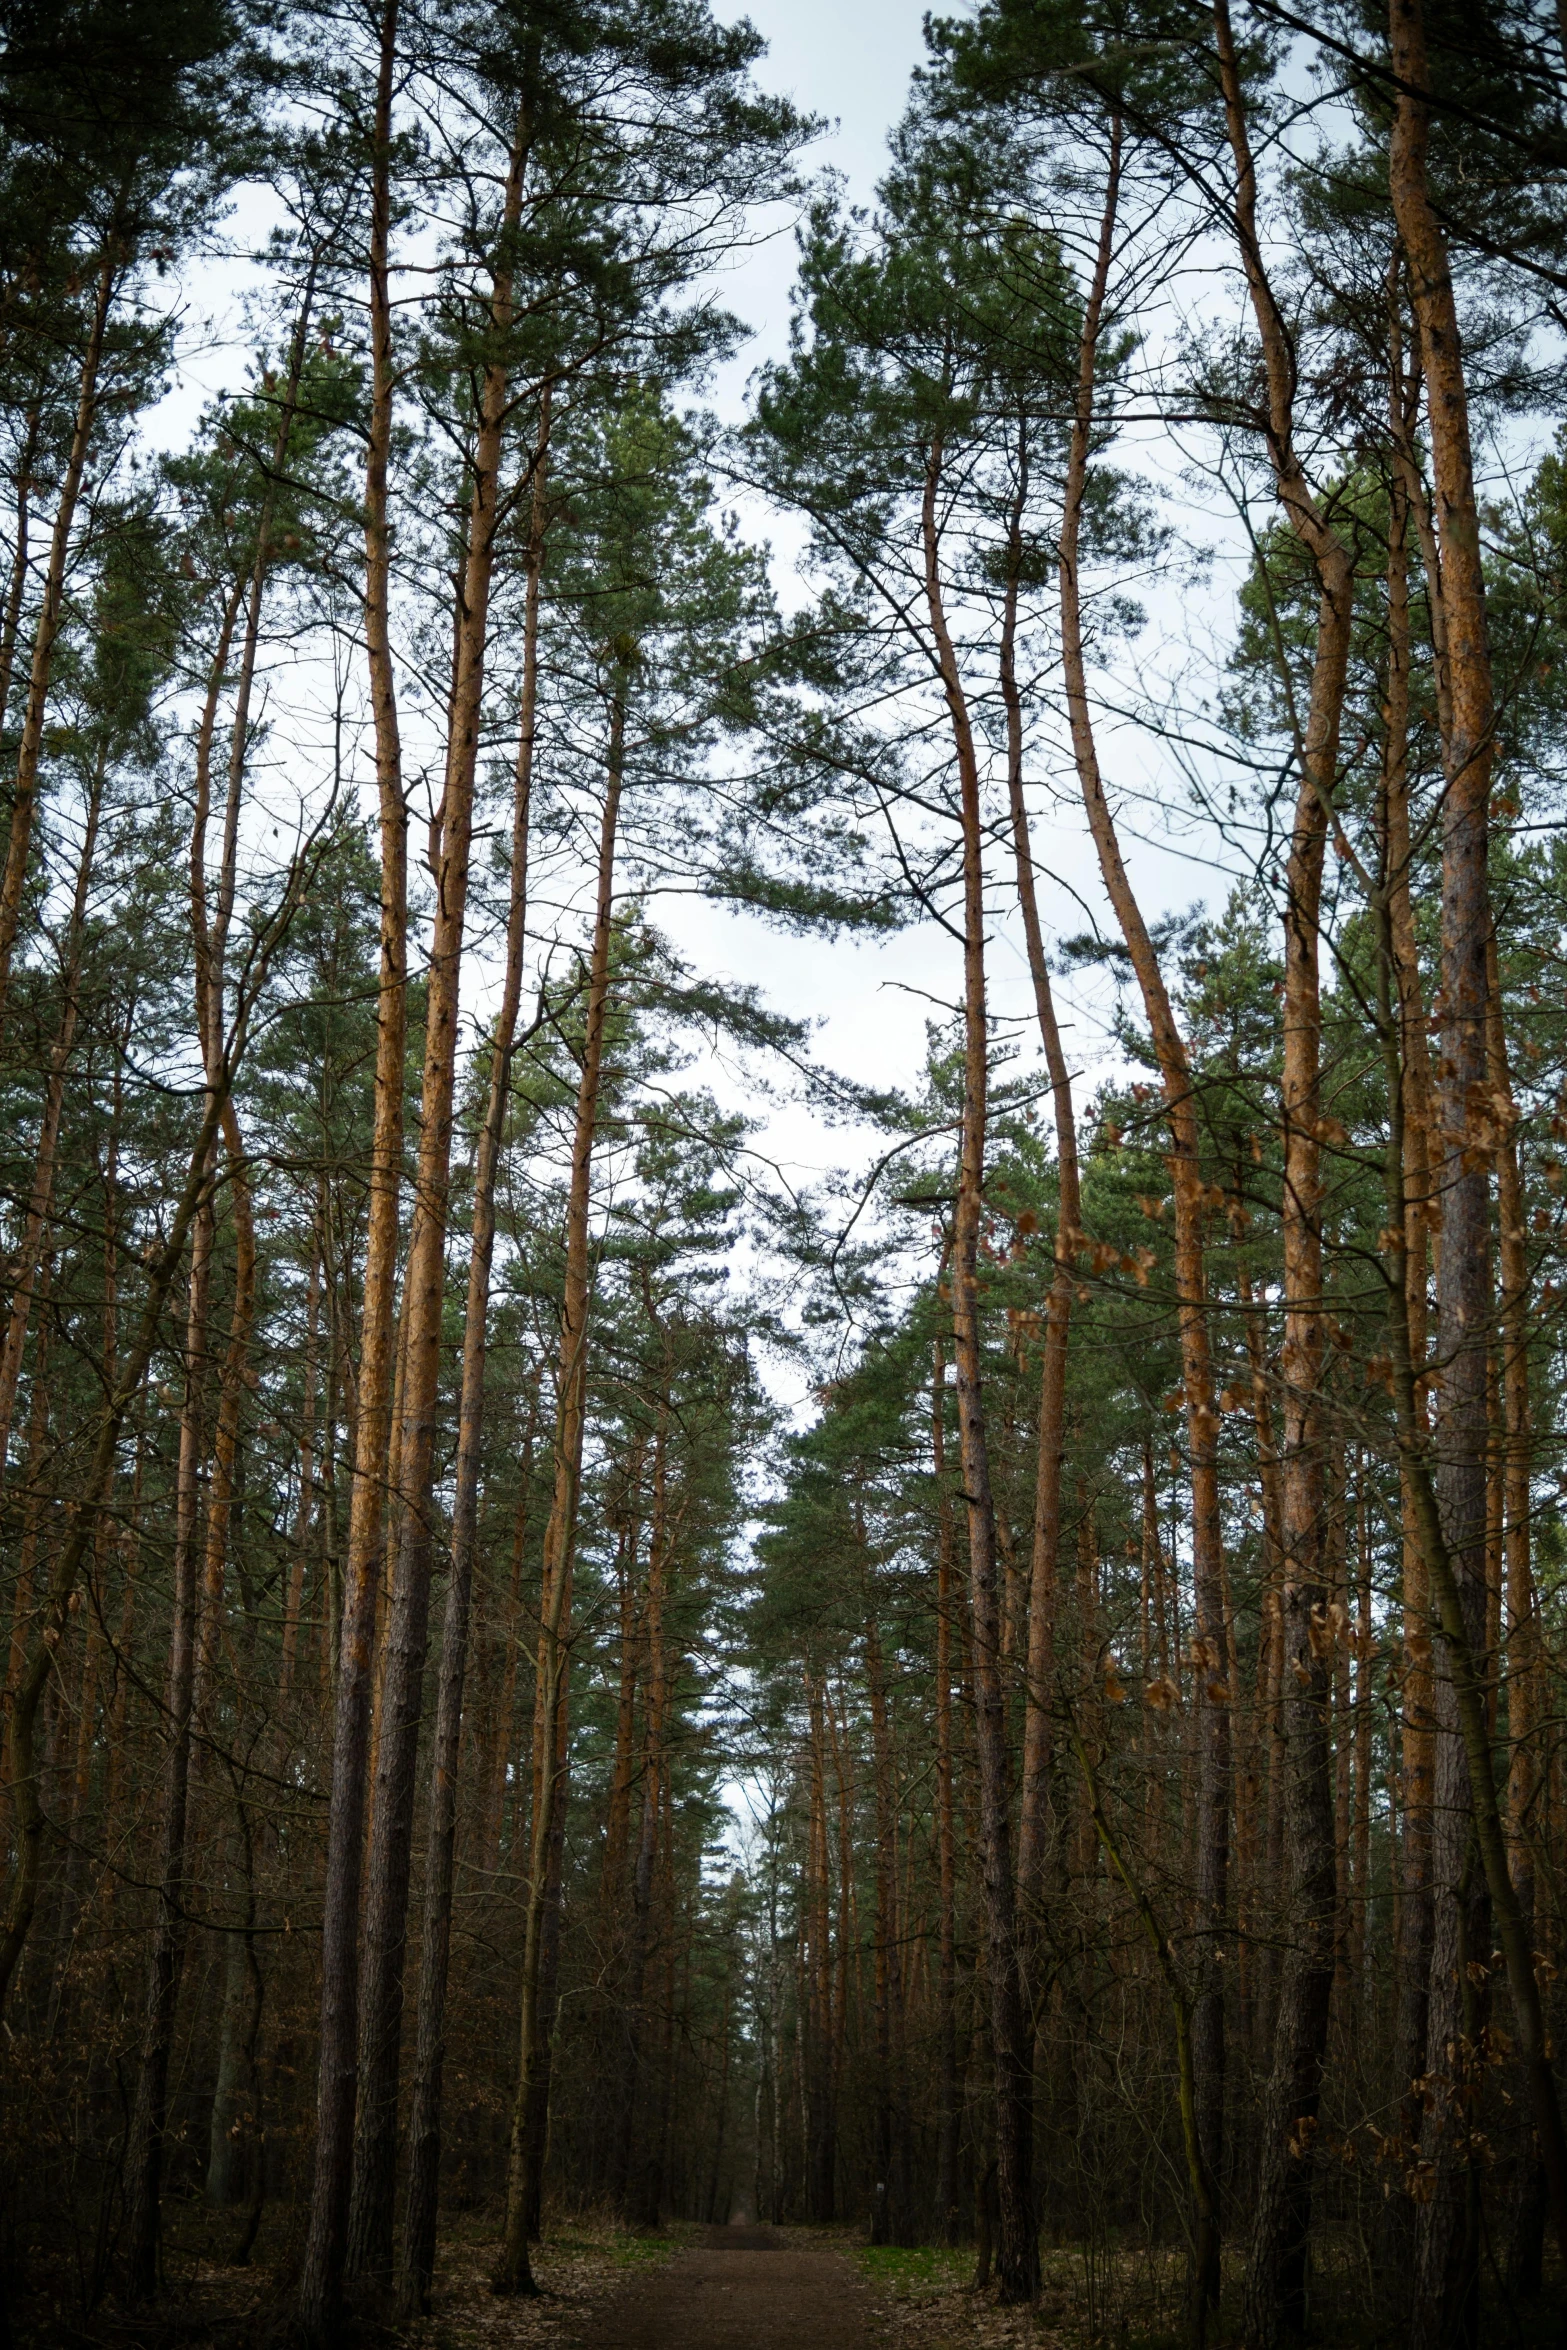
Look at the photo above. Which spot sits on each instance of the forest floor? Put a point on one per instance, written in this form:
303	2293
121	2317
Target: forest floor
924	2299
603	2287
736	2288
580	2269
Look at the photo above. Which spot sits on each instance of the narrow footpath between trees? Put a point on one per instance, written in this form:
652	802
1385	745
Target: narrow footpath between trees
742	2288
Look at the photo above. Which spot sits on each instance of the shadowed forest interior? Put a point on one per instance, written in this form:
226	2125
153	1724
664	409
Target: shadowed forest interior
782	1163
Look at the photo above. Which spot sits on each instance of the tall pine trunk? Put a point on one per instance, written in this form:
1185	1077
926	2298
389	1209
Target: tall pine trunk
1202	1419
198	1595
321	2276
1422	1216
1447	2250
513	2273
1524	1677
1281	2220
1034	1797
1018	2246
949	2117
424	2141
384	1925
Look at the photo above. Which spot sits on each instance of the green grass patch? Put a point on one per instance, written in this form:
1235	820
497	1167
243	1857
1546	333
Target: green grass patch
642	2251
915	2268
620	2247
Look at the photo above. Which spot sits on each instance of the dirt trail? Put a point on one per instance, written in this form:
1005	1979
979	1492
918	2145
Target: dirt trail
742	2289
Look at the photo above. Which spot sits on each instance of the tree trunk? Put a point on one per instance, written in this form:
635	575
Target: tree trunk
1342	1732
226	1438
77	1849
617	1819
890	2220
321	2277
40	1201
1255	1853
711	2210
1447	2252
1422	1219
628	2199
1088	1711
1365	1649
304	1515
383	1928
634	1989
1527	1705
513	2273
425	2118
1276	2272
848	1922
189	1661
1468	1681
51	617
34	1675
536	2117
235	2142
1034	1800
505	1726
1018	2247
210	922
950	2113
1202	1419
10	625
822	2151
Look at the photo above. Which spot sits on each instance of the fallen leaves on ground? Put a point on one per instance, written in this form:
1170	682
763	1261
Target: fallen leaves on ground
576	2270
925	2300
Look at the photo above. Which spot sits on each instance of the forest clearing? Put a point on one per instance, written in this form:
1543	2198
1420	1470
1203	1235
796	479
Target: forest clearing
783	1042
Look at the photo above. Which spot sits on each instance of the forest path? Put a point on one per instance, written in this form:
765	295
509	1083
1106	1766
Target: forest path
743	2288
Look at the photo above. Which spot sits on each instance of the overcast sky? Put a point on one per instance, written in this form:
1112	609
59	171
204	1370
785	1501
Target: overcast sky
850	65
